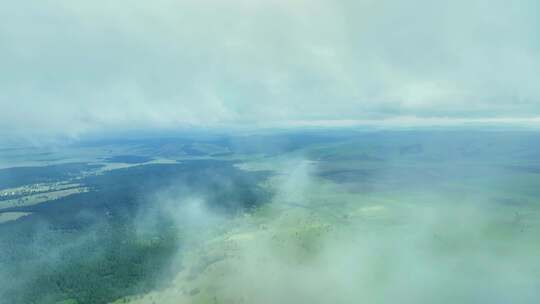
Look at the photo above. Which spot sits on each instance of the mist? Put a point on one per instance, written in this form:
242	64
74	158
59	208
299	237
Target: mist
270	151
318	242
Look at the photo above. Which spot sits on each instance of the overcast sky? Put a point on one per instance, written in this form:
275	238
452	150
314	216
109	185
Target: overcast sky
77	66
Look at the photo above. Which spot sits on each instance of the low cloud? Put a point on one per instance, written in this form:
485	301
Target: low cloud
311	245
71	68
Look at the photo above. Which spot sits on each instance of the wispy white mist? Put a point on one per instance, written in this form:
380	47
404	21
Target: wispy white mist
360	250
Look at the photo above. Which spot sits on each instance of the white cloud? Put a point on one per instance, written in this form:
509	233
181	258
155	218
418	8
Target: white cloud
77	67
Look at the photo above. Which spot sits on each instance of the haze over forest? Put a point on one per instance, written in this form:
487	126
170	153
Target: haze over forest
273	151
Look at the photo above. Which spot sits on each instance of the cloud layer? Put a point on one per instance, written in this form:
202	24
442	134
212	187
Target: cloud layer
72	67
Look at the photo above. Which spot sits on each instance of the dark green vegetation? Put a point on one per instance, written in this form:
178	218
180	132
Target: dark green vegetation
120	239
98	246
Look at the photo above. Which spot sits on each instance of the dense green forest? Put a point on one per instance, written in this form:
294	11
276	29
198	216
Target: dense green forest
89	248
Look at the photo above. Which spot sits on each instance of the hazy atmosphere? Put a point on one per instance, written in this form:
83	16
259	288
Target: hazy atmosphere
123	64
269	152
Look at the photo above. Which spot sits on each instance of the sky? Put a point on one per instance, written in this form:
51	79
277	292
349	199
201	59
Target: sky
71	67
